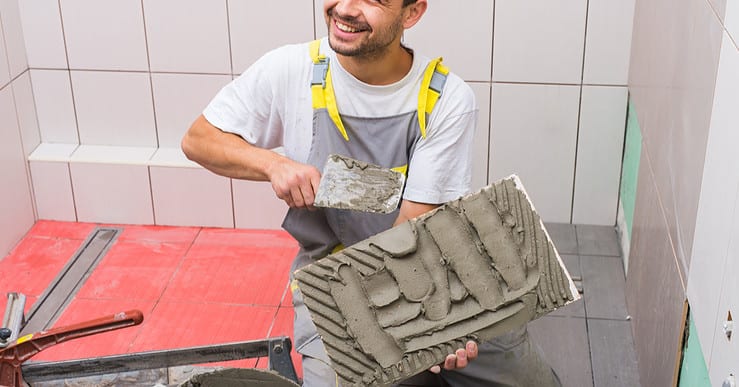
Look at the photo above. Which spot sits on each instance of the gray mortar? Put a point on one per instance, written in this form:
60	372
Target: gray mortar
239	377
399	302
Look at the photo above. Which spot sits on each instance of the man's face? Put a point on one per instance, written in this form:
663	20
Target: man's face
363	28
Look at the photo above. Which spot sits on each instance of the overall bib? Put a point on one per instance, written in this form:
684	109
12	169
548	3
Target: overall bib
385	141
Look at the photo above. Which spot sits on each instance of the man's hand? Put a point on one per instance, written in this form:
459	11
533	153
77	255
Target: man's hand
294	182
459	359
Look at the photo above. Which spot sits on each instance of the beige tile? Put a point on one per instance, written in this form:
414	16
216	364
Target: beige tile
188	35
26	108
191	197
42	32
16	204
114	108
52	92
599	150
13	31
4	68
608	42
534	134
254	32
256	206
539	41
481	141
465	41
104	35
732	20
179	99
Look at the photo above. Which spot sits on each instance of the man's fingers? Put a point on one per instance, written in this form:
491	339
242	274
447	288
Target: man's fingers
461	359
472	350
435	369
450	362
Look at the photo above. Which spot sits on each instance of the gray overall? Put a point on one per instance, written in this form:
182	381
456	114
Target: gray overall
388	142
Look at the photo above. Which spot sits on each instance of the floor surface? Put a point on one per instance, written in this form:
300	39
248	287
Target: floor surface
200	286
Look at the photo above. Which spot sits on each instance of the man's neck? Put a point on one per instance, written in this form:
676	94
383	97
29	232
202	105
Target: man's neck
386	69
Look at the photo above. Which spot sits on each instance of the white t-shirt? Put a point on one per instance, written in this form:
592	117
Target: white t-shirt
270	106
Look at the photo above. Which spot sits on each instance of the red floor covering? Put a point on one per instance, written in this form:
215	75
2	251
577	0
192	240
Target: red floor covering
195	286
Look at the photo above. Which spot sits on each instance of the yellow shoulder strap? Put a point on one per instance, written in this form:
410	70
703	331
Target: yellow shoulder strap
322	88
434	78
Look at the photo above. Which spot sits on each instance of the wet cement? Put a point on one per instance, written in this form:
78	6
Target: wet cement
351	184
397	303
239	377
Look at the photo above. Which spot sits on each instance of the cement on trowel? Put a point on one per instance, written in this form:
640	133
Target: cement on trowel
239	377
351	184
399	302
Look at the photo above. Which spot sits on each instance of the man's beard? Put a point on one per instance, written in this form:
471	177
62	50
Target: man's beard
373	47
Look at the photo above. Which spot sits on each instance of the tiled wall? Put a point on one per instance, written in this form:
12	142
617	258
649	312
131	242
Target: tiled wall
18	130
550	77
684	86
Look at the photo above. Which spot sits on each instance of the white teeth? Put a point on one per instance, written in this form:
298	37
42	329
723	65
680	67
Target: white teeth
345	27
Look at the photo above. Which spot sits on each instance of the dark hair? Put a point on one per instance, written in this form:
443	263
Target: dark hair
408	2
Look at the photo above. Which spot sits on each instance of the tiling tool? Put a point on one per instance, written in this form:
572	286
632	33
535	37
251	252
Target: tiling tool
13	356
351	184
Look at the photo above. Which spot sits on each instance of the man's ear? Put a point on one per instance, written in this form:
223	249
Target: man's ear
414	13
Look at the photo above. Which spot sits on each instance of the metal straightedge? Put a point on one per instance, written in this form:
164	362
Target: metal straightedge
13	319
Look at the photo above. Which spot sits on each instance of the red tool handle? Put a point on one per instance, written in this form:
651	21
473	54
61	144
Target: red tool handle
27	346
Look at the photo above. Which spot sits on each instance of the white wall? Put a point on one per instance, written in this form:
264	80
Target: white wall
18	130
550	76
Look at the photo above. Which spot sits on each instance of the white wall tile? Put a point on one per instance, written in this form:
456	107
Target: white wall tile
52	188
191	197
13	37
465	40
482	136
732	19
26	108
4	68
179	99
52	92
16	205
104	35
539	41
608	42
319	19
112	193
717	195
253	33
114	108
42	31
188	35
256	206
533	134
599	150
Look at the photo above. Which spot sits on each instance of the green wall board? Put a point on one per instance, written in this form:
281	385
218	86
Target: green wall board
630	171
693	372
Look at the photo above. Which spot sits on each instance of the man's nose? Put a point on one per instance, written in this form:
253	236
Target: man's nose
347	8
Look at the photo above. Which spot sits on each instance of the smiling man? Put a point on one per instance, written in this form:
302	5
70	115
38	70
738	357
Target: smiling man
360	93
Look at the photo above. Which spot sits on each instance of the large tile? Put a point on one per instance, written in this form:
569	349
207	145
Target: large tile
179	99
466	40
191	196
256	206
174	45
247	20
16	204
52	190
598	240
42	32
608	42
111	185
732	19
104	35
539	41
13	31
280	240
52	92
26	108
481	142
613	355
534	134
159	234
563	236
604	287
61	230
568	336
599	155
4	67
114	108
713	227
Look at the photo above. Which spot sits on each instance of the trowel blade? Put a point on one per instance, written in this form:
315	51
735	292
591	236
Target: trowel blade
351	184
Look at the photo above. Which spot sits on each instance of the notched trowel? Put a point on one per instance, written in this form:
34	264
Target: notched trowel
351	184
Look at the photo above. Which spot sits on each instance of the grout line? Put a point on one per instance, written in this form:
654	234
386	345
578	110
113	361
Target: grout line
490	103
151	80
233	202
315	28
230	42
579	112
69	75
151	195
